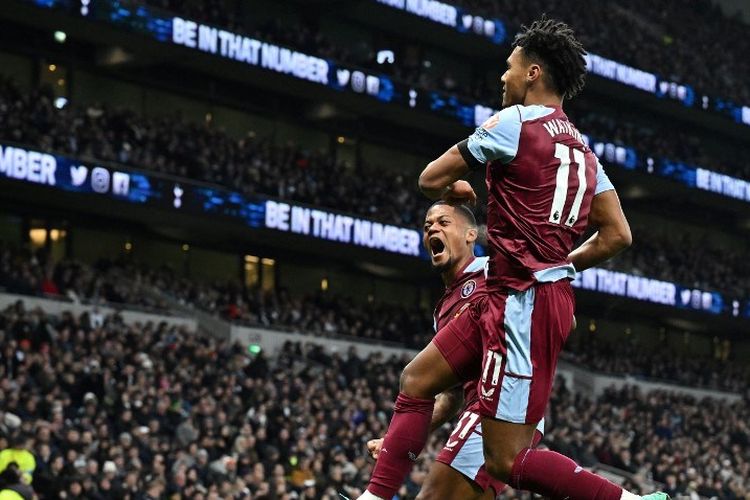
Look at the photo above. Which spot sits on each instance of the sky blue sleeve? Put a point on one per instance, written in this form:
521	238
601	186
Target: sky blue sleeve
497	138
602	180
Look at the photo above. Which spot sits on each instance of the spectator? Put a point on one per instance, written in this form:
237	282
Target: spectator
296	423
17	460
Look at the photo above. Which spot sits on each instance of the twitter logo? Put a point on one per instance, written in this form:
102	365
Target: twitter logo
78	174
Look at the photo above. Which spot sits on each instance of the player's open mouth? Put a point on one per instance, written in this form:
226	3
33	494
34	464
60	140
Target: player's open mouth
437	246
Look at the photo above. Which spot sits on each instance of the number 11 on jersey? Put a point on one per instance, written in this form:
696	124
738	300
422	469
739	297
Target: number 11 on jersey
563	153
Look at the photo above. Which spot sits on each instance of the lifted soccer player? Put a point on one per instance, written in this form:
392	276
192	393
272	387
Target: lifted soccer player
449	234
545	188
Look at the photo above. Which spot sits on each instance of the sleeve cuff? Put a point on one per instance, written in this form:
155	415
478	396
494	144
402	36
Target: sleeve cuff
471	161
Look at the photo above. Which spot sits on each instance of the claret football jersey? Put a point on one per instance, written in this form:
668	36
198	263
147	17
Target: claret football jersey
541	179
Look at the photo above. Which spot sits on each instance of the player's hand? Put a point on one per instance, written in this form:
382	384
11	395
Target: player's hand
460	192
373	447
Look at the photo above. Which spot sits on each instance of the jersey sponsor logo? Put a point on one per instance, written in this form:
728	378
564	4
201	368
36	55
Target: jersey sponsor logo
468	288
491	122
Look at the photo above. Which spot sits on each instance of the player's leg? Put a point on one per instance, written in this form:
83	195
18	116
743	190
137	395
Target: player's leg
428	374
459	471
456	471
543	472
517	378
446	483
452	357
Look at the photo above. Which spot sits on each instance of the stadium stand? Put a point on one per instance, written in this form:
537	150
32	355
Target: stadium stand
252	164
120	409
116	370
676	32
122	283
256	166
607	28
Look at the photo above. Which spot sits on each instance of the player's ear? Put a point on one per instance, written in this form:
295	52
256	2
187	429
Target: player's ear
471	235
533	73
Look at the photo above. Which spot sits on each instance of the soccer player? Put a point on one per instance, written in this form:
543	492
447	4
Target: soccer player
545	187
449	235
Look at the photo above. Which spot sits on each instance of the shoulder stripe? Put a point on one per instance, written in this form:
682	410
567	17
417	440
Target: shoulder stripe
529	113
477	264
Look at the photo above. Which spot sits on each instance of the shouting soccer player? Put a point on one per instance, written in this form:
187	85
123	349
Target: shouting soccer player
449	235
545	187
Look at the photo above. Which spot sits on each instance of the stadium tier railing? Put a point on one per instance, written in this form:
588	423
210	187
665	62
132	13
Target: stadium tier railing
273	340
130	314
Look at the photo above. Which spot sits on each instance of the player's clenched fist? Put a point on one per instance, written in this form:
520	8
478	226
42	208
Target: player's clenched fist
460	192
373	447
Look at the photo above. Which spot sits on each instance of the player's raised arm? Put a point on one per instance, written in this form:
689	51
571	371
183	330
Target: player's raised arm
439	176
613	231
496	140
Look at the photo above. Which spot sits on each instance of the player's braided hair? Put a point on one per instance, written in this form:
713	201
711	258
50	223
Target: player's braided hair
553	44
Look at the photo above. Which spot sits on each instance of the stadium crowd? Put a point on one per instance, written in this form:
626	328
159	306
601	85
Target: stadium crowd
123	282
716	370
689	258
35	273
252	165
679	36
695	448
150	411
178	147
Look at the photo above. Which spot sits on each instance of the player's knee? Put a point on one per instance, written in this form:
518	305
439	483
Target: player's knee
499	465
500	469
412	382
409	382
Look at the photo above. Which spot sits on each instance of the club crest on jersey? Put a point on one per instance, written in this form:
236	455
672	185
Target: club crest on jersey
468	288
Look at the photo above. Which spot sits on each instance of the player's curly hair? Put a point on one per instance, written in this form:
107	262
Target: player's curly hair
553	44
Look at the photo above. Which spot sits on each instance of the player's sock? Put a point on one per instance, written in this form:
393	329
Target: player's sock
367	496
556	476
406	436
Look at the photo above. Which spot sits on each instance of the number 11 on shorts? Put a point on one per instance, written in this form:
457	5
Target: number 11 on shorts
492	358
